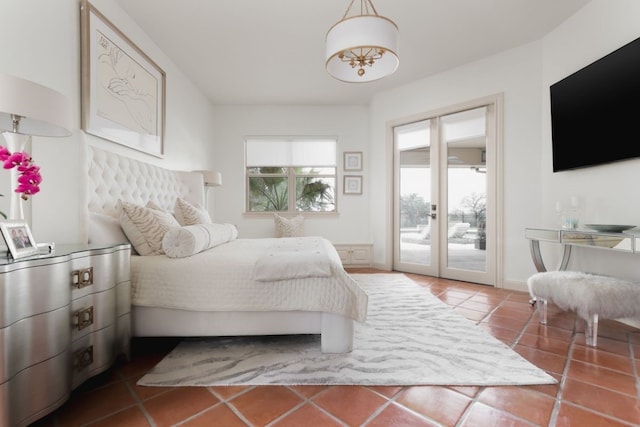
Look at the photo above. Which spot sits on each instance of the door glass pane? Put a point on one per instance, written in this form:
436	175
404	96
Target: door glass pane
415	193
465	139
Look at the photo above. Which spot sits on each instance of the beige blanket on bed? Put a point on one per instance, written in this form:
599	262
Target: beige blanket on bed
292	258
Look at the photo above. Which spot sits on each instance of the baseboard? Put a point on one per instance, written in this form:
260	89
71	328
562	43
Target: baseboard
513	285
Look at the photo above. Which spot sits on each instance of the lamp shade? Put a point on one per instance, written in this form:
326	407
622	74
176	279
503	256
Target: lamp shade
211	178
362	32
42	111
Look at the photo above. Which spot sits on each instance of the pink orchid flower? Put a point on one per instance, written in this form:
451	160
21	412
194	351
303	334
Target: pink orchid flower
29	177
4	154
16	159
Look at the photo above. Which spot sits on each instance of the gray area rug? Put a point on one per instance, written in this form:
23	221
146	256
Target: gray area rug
410	337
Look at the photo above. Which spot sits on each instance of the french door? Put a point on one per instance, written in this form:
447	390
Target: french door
445	199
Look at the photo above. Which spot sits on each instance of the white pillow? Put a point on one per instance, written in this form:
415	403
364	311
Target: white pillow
152	205
145	227
188	214
105	229
289	227
192	239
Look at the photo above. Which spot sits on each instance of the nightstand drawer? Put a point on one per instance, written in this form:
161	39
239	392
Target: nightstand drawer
33	340
17	291
92	354
92	312
35	392
123	298
93	274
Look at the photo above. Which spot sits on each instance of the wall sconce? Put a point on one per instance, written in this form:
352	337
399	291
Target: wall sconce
211	179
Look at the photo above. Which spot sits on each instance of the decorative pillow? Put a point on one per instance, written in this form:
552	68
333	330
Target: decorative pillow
289	227
105	229
188	214
145	227
191	239
152	205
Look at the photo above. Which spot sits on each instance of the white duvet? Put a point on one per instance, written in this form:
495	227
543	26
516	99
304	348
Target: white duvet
223	278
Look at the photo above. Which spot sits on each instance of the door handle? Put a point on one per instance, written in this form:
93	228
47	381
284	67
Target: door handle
433	215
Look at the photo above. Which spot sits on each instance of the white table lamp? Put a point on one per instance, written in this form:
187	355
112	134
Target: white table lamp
26	109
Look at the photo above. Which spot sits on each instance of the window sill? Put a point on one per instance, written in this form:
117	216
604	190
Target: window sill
290	214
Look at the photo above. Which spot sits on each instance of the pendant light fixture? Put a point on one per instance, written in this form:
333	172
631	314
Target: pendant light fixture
362	48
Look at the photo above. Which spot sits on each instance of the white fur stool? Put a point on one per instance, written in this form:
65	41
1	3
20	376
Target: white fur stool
589	295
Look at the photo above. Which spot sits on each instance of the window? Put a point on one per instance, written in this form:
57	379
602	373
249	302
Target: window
291	174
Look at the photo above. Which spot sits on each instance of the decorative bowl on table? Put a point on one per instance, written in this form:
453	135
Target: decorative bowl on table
609	227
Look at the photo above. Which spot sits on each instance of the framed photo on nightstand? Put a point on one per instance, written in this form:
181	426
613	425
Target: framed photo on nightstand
18	238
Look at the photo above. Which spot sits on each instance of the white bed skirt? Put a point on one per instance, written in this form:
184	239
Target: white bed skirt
336	330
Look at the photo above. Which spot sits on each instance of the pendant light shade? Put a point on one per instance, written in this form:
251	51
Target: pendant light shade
362	48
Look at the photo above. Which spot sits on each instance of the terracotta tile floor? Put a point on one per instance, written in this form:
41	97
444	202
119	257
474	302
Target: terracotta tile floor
597	386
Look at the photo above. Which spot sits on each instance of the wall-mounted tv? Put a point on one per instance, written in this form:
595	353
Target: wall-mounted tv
595	112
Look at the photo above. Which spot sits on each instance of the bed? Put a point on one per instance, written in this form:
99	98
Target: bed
232	286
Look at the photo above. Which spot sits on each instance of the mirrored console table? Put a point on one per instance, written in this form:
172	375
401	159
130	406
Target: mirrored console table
627	241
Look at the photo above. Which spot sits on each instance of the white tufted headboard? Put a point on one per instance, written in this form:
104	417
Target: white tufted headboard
112	177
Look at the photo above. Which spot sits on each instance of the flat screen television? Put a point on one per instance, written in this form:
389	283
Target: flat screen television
595	112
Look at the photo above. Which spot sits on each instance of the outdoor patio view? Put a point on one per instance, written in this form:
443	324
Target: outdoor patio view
466	241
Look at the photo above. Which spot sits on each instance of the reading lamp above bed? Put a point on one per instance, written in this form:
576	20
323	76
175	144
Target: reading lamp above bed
211	179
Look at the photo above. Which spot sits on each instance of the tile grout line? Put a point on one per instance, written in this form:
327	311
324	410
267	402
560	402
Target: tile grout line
139	402
634	366
565	372
308	399
465	415
231	406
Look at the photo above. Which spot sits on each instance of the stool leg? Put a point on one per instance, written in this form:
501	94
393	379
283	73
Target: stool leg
592	331
542	310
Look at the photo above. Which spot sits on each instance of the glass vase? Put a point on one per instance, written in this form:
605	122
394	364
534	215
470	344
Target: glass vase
16	143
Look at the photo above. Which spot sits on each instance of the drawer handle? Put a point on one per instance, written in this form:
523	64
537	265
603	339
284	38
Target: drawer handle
83	358
81	278
83	318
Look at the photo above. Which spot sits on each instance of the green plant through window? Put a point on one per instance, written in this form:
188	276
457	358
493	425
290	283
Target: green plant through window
312	189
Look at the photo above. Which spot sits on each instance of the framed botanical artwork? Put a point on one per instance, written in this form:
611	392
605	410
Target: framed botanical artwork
123	90
18	238
352	184
353	161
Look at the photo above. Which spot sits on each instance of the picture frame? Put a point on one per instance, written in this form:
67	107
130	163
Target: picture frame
18	238
353	161
123	90
352	184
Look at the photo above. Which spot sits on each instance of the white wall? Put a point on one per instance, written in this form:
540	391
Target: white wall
40	41
349	124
